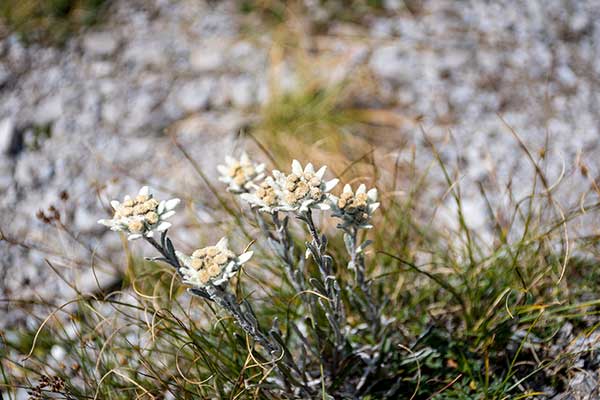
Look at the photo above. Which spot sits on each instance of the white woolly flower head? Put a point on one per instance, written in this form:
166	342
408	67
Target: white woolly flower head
242	174
142	215
212	265
266	197
355	208
304	188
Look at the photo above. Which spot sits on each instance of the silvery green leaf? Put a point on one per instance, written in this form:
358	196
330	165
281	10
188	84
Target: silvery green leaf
163	226
331	184
163	236
171	204
200	293
349	242
167	214
170	248
313	250
418	355
144	191
318	285
277	247
106	222
244	257
363	246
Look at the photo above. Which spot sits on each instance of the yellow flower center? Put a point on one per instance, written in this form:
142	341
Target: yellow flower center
210	261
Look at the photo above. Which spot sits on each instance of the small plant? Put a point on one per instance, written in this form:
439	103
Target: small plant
325	344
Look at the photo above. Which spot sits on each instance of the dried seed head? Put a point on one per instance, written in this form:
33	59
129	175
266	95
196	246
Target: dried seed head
136	226
139	209
316	193
214	270
291	186
203	276
221	258
200	253
197	263
151	204
314	181
151	217
141	198
301	190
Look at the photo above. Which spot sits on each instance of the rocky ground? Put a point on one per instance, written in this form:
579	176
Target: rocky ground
91	117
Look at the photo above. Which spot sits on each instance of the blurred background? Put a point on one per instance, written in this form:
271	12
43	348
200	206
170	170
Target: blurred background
98	97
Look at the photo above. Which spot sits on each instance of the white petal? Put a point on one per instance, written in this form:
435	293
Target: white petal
106	222
161	207
222	169
219	281
163	226
297	168
372	194
331	184
134	236
347	188
229	160
250	198
323	206
223	243
150	234
115	204
144	191
244	257
309	169
167	214
171	204
373	207
260	168
321	172
361	189
244	159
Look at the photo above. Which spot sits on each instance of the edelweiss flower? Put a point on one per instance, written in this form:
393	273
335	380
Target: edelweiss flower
141	216
304	188
266	197
211	265
240	175
355	209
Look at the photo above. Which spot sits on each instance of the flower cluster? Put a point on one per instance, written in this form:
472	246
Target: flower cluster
300	190
304	188
211	265
241	175
355	209
141	216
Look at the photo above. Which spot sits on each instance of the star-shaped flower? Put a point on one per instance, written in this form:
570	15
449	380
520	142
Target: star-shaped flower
213	265
355	209
241	175
304	188
141	216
